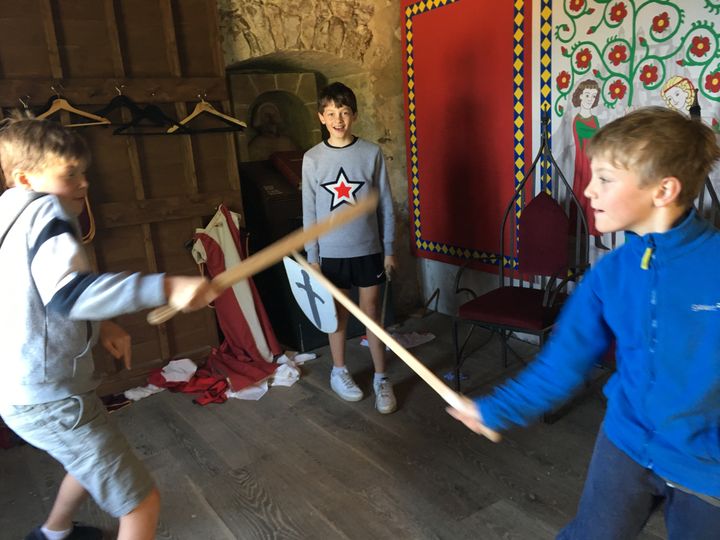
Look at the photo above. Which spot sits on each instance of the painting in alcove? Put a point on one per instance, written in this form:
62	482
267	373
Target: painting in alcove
279	122
612	56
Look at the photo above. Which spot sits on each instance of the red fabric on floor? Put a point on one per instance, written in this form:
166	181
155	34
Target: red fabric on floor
243	358
210	386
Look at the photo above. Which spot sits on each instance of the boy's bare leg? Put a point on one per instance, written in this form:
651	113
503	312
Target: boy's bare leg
141	523
337	338
370	303
69	498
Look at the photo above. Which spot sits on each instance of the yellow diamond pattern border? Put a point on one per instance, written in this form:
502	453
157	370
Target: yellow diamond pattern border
546	84
423	6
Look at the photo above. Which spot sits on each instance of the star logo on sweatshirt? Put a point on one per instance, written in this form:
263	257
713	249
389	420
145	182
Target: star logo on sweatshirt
342	190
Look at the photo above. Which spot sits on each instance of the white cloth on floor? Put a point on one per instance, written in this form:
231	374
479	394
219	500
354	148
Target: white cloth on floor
250	393
298	358
180	370
286	375
140	392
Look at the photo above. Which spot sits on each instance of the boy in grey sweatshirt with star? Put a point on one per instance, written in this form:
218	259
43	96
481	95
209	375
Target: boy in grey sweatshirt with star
339	171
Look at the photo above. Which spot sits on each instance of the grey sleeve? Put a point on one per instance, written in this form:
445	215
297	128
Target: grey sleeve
309	188
66	285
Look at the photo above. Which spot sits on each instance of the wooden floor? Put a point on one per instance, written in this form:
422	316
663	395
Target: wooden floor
302	464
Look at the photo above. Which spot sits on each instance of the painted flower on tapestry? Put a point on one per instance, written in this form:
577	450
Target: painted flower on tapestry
700	46
576	5
649	74
661	22
712	82
618	12
563	80
618	54
582	58
617	89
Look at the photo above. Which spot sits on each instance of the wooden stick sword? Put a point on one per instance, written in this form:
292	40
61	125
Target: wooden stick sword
450	396
275	252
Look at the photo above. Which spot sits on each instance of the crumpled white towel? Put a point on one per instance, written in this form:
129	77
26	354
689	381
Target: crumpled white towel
250	393
298	358
180	370
140	392
286	375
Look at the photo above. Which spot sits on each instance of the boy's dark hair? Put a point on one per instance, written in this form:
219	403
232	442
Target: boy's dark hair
31	145
656	143
339	94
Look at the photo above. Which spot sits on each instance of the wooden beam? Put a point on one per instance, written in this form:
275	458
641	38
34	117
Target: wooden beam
48	20
122	214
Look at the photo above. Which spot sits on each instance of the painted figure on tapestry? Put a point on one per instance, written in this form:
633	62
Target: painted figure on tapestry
678	93
585	124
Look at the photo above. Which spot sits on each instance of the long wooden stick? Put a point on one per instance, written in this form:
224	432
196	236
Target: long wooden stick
450	396
275	252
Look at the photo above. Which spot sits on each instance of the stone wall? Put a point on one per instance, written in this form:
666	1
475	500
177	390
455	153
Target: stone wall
357	42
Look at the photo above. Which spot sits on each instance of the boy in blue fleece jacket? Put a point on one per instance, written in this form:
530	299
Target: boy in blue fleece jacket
54	310
658	297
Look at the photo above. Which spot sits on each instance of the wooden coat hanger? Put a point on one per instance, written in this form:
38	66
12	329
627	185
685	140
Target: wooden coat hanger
61	104
205	107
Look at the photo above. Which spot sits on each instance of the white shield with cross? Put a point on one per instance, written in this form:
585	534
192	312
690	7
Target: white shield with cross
315	301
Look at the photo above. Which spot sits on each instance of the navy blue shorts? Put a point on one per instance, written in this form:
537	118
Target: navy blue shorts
365	271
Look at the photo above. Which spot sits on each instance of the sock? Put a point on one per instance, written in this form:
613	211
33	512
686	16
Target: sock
55	535
337	370
378	378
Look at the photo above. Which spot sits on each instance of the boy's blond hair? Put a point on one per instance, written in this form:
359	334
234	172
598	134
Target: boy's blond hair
656	143
31	145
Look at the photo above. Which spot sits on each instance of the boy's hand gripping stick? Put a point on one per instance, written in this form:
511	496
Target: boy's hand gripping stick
274	253
450	396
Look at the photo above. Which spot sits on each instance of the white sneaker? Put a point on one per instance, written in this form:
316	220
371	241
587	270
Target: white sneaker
343	385
385	401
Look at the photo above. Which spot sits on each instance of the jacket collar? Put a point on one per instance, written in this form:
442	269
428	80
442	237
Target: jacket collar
682	237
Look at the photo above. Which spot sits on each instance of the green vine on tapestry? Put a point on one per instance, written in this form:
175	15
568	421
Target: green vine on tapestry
713	6
624	64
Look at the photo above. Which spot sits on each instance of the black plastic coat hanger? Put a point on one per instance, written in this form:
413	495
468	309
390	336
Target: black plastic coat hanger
150	120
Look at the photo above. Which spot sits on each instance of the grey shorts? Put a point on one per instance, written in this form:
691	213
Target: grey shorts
79	433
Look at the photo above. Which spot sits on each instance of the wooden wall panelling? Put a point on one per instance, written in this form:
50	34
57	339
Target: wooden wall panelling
82	42
24	50
148	194
169	21
118	67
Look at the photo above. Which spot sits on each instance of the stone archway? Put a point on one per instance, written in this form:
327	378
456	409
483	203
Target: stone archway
293	95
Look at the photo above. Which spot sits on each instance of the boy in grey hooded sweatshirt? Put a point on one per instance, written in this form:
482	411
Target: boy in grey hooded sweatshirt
54	310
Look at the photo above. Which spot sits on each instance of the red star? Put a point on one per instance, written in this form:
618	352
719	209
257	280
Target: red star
343	190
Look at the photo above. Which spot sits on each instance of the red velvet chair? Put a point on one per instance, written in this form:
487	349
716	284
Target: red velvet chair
544	246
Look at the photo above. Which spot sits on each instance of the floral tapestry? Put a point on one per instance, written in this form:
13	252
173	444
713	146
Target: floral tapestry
612	56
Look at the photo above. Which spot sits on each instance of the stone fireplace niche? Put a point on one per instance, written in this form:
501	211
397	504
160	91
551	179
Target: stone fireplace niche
280	110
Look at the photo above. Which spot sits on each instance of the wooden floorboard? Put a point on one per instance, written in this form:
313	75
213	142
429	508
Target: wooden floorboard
302	464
